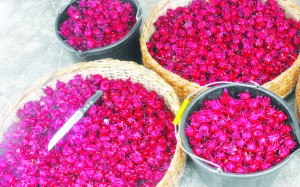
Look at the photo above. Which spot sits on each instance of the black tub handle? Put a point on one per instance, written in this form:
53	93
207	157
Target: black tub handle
186	101
254	84
139	14
178	139
61	9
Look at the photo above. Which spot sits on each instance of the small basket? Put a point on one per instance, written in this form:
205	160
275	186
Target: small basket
111	69
281	85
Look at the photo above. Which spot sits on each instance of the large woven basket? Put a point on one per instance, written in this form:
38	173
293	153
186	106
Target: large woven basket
112	69
297	100
281	85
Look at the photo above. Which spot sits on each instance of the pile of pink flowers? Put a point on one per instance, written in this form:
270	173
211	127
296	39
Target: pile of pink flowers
125	139
226	40
242	135
97	23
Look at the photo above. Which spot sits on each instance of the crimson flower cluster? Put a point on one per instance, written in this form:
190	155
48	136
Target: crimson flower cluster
242	135
226	40
126	139
97	23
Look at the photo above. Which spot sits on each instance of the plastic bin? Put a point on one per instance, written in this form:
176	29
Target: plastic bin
210	176
128	48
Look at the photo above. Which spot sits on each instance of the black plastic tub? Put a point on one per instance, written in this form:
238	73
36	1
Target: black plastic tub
213	177
128	48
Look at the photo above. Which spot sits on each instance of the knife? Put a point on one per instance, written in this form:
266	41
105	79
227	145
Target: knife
74	119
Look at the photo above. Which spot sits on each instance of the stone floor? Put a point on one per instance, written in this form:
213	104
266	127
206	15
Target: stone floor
29	50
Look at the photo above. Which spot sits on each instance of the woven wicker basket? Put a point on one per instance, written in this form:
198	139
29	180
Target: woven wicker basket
281	85
297	100
112	69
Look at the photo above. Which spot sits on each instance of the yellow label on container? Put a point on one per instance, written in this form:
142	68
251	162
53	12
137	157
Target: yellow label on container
180	112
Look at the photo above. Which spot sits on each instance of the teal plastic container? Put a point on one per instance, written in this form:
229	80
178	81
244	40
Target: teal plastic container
213	177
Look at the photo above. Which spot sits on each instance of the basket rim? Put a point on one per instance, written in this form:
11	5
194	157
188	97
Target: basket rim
297	99
74	68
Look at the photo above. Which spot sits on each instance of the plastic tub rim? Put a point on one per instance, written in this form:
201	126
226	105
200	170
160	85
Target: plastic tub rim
237	175
134	29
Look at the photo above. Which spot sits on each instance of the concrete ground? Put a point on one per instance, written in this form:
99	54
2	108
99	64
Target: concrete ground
29	50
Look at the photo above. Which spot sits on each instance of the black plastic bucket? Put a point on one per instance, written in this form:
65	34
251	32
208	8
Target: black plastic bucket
128	48
212	177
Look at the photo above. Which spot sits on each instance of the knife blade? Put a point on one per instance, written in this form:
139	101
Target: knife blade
73	119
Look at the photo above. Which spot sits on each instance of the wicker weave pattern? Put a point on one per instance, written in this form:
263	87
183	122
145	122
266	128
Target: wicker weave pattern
281	85
112	69
297	100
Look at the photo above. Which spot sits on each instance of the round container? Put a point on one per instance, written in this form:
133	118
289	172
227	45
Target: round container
209	175
282	85
111	69
128	48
